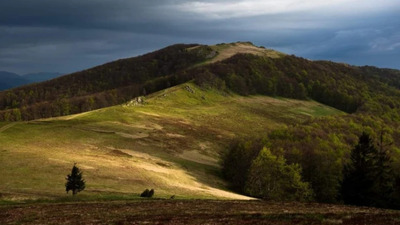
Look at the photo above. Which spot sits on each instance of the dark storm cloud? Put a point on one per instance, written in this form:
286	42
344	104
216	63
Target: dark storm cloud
65	36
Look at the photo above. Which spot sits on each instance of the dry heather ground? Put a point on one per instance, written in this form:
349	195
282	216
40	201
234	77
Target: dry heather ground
195	212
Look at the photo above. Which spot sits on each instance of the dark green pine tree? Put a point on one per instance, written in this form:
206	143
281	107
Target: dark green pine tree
385	177
75	182
368	178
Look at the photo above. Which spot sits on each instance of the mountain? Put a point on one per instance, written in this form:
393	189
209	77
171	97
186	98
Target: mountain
168	120
240	67
41	76
105	85
9	80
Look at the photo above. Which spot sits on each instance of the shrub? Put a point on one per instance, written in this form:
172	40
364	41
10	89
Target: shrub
147	193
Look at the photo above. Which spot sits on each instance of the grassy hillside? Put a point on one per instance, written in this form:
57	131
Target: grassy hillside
171	143
225	51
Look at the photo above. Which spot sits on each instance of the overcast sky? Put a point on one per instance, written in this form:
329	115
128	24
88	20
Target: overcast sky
67	36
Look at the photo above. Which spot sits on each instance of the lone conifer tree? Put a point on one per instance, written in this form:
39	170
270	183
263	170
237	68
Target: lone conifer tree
75	183
368	178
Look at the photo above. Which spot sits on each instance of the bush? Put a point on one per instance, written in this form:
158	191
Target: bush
147	193
151	193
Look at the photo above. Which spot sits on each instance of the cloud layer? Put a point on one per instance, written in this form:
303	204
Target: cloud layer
66	36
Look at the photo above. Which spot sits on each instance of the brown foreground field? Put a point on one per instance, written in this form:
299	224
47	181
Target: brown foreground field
193	212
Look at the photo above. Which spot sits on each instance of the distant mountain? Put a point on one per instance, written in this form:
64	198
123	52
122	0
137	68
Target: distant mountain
10	80
41	76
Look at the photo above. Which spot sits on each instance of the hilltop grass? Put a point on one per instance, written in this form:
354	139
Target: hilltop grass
228	50
225	51
171	143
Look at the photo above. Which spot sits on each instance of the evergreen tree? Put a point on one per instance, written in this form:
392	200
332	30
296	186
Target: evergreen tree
385	178
75	182
368	178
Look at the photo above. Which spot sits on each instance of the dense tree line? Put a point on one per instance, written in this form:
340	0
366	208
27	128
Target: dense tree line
341	86
324	150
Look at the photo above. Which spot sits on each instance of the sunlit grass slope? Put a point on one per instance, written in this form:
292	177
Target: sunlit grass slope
225	51
171	143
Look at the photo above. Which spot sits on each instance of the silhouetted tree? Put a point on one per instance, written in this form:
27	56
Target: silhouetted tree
75	182
368	178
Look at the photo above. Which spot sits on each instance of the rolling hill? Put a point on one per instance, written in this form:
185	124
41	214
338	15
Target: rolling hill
172	142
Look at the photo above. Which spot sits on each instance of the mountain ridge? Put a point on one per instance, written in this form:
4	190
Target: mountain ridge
253	70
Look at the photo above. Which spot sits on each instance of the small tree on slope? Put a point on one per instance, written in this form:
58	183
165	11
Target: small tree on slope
75	183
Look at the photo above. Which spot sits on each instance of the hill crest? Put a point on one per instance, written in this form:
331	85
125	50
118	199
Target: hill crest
240	67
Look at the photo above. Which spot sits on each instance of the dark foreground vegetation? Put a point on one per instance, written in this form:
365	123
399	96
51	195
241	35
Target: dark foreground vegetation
366	177
195	212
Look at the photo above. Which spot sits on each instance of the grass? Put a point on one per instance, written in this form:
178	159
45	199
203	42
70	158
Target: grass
172	143
228	50
225	51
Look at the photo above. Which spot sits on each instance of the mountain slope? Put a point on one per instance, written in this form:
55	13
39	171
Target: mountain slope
116	82
239	67
109	84
171	143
